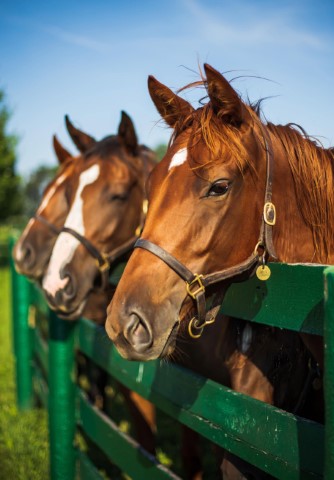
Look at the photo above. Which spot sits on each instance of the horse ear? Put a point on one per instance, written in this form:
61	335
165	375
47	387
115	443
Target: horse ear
171	107
126	131
61	152
225	101
83	141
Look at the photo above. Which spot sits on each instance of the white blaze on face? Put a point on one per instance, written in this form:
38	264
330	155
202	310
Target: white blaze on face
179	158
50	193
66	244
52	190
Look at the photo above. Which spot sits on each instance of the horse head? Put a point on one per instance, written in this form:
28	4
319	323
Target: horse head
212	215
107	195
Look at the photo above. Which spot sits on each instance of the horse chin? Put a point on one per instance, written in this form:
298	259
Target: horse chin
72	314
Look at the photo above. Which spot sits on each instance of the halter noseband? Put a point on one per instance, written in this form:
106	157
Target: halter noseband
197	283
48	224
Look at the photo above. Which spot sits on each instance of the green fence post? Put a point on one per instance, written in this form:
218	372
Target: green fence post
21	335
61	398
329	372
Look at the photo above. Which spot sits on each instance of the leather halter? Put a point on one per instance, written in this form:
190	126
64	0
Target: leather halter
197	283
45	222
104	260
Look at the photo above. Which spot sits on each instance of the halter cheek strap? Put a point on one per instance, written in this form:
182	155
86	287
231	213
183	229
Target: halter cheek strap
105	260
197	283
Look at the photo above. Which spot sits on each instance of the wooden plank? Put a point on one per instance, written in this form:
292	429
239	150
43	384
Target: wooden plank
20	292
329	372
61	398
121	449
251	429
292	298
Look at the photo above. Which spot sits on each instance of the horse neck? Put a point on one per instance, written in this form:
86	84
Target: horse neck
293	238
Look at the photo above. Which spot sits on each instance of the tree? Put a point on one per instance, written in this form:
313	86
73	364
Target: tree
34	187
10	193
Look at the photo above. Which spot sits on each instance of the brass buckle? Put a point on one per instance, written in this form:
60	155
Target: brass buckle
105	265
269	213
201	287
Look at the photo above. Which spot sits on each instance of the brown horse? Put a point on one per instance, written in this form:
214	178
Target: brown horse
106	203
43	229
212	206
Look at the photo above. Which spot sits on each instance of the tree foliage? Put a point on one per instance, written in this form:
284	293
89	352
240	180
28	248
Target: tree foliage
10	194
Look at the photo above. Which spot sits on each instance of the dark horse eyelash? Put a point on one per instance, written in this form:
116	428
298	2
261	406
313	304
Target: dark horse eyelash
211	184
119	197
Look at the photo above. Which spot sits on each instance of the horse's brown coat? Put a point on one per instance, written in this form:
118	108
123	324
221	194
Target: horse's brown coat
209	233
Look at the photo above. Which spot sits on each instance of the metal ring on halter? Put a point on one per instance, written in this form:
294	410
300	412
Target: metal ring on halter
257	246
192	324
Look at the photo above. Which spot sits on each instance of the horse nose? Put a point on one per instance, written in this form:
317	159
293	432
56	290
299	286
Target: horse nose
63	297
26	256
138	333
70	290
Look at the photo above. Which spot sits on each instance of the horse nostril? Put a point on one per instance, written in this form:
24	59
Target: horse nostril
70	289
28	257
138	333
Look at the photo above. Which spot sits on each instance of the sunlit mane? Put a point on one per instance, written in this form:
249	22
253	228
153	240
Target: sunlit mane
311	164
312	170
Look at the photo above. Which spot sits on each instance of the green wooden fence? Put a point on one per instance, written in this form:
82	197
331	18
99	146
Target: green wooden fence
282	444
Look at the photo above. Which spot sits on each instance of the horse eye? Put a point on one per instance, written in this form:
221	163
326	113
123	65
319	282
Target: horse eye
220	187
121	197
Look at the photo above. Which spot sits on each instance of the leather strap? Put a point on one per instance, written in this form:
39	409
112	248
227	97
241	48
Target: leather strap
87	244
196	284
43	220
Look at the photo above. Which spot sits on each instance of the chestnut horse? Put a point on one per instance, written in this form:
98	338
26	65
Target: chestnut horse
106	210
34	248
212	210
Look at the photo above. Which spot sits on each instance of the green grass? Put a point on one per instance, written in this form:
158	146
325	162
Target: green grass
23	435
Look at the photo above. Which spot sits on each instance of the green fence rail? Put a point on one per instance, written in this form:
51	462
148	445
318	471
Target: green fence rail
282	444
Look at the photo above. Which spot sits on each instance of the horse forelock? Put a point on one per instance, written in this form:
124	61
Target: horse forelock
312	171
223	140
112	147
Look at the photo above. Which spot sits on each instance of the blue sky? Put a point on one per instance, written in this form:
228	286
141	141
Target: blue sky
91	59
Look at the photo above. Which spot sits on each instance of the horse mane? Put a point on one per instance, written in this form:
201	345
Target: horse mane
311	164
312	171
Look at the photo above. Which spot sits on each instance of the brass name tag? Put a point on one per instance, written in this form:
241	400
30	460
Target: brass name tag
263	272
